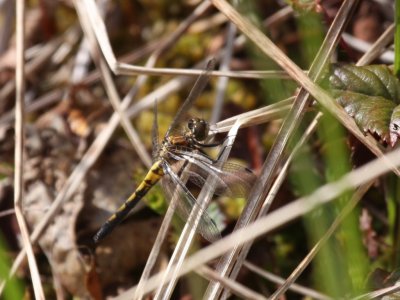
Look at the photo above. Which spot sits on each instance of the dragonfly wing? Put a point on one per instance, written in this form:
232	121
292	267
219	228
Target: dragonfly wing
198	176
174	187
229	179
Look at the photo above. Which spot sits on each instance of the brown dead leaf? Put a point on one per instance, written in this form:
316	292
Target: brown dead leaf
49	161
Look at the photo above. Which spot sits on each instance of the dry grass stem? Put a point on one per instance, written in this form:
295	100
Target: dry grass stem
6	23
256	117
163	231
67	58
19	148
313	252
270	49
176	261
379	294
387	56
32	66
295	209
238	289
278	280
121	68
378	47
280	179
110	86
365	59
230	263
223	81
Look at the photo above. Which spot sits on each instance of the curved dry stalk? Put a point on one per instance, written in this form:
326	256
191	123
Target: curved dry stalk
93	153
279	181
270	49
223	81
7	212
378	47
155	250
171	275
255	117
313	252
387	56
6	21
121	68
365	59
297	208
19	147
152	101
54	95
110	87
294	287
163	231
379	294
139	292
230	263
238	289
32	66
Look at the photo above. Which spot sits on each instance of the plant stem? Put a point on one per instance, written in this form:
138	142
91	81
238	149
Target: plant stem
397	39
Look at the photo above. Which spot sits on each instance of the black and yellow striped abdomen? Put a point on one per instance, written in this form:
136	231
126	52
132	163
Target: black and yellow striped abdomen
152	177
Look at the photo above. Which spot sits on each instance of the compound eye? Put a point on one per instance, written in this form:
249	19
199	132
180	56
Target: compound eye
201	130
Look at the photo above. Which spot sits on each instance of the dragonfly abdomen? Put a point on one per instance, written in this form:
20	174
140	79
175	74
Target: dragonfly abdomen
152	177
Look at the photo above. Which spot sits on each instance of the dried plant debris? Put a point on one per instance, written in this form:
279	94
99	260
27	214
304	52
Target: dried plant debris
55	142
121	256
126	250
371	95
46	170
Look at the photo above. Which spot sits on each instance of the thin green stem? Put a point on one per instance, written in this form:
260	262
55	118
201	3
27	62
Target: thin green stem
397	39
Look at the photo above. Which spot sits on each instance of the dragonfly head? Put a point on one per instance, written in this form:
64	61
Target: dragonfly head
198	129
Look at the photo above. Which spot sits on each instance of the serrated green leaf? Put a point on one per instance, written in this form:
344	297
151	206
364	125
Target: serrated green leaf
373	80
371	95
390	81
371	113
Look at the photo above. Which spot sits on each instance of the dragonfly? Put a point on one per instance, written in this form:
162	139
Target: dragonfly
182	151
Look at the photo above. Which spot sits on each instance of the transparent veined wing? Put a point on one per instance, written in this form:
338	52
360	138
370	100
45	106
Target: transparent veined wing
174	187
230	179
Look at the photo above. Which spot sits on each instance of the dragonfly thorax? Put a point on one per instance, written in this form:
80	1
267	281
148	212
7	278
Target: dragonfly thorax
198	129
